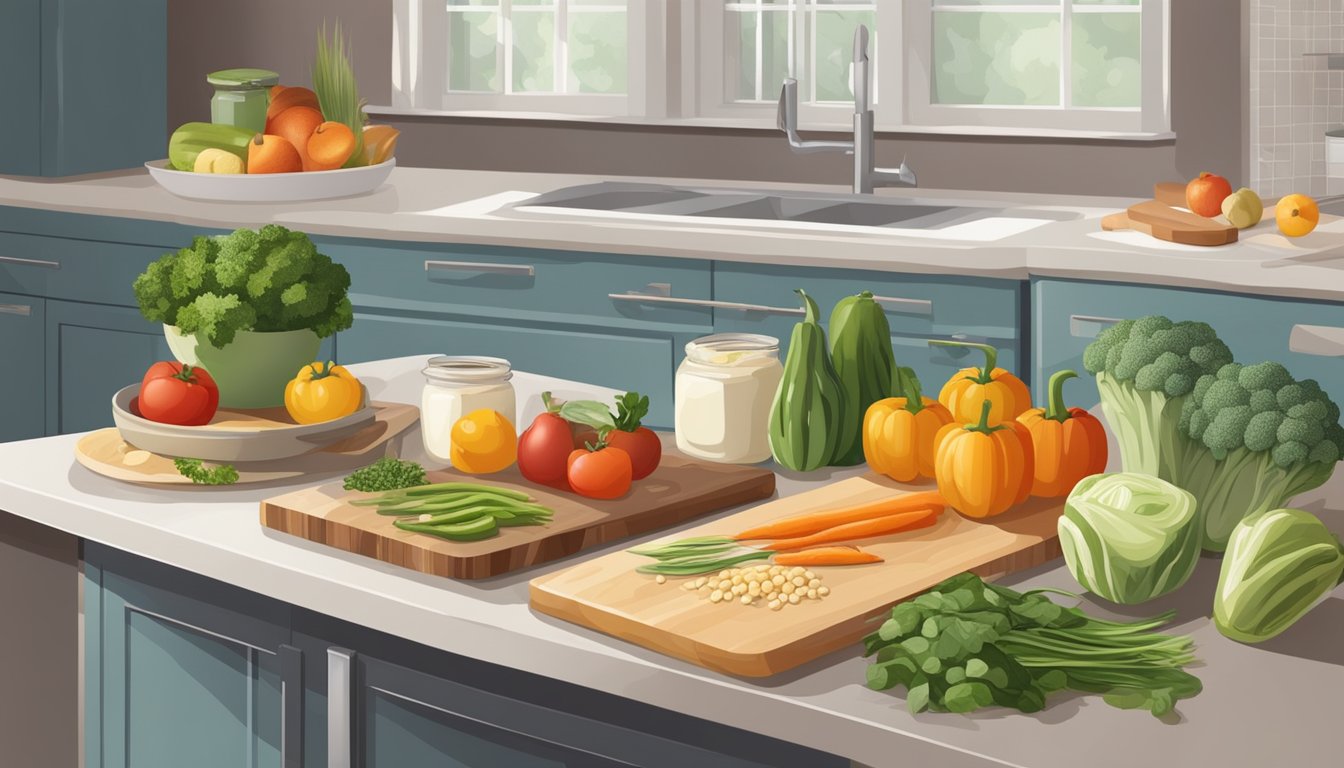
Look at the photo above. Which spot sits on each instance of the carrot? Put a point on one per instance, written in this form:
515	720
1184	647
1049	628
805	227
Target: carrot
863	529
815	522
826	556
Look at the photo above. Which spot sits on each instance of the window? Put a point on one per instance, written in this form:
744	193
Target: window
569	56
1029	66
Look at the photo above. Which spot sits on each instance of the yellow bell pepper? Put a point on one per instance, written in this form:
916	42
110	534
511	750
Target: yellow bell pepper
968	388
322	393
483	442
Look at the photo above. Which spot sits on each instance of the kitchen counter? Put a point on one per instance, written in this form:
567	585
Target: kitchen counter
471	207
1267	705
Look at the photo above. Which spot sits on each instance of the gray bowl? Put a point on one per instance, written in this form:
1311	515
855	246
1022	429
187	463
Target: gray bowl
233	435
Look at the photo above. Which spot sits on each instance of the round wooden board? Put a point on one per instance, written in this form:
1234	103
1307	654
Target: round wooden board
104	452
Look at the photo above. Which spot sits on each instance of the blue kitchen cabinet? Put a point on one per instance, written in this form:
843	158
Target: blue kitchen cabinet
85	86
22	373
917	308
180	670
1306	336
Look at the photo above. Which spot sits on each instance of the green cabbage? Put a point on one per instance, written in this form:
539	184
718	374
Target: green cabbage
1129	537
1278	564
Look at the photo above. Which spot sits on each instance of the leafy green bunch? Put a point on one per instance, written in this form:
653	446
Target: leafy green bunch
966	644
272	279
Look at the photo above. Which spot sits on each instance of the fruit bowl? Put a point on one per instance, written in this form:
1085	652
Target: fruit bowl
270	187
262	434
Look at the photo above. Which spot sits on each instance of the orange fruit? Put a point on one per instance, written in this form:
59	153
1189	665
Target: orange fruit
1297	215
483	441
272	154
295	125
330	145
292	96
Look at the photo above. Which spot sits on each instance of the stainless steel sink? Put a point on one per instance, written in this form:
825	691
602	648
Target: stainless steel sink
644	200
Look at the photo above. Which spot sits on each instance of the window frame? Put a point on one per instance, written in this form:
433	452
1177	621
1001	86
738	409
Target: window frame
1152	116
420	64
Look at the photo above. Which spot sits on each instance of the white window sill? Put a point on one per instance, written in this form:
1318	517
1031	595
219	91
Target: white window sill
767	123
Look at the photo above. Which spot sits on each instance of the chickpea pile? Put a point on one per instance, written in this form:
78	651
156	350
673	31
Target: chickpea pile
774	585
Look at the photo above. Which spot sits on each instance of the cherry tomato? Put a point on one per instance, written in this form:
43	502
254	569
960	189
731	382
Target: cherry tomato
173	393
605	473
543	450
644	447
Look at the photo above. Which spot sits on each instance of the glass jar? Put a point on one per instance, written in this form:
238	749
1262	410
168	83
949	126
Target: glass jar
724	391
454	387
241	97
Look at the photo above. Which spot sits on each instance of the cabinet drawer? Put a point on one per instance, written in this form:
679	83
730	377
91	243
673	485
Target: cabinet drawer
619	362
76	270
522	284
1307	337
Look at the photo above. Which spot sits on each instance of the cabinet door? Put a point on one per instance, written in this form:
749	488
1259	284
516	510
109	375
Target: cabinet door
93	351
636	363
22	320
197	675
21	88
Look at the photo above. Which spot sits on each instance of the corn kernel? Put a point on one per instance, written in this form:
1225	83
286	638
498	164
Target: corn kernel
823	591
746	599
811	594
775	605
794	599
813	583
716	596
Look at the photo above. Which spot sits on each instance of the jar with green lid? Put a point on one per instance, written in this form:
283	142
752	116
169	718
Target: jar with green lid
241	97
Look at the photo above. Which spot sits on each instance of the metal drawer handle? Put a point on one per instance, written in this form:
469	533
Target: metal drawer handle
30	262
340	707
16	309
481	266
291	709
1322	340
644	298
1089	326
912	306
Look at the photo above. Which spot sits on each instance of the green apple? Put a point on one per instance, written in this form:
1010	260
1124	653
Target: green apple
1243	208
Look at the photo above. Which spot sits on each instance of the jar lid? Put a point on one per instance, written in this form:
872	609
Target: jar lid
729	348
468	369
243	78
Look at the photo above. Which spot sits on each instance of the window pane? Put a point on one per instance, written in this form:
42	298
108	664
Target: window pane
597	51
996	58
835	51
472	63
770	57
1106	69
937	3
533	51
1105	2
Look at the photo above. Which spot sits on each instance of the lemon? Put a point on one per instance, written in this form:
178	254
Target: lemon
1243	208
1297	215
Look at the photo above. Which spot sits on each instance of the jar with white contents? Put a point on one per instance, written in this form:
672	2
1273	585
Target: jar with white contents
454	387
724	391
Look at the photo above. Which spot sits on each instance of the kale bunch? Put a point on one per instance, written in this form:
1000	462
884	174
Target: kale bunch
272	279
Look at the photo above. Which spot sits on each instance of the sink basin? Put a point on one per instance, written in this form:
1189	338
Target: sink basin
792	210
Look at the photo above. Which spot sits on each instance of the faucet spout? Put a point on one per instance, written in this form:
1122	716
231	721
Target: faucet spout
786	118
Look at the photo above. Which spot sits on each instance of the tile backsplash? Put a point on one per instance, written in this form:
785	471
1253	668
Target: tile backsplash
1294	96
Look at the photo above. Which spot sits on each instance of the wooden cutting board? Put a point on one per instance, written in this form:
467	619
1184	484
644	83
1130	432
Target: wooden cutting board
608	595
1180	226
105	452
679	490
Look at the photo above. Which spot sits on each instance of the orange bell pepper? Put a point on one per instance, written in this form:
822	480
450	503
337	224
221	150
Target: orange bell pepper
899	432
1068	444
982	469
965	391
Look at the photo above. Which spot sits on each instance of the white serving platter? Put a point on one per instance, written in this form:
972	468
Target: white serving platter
270	187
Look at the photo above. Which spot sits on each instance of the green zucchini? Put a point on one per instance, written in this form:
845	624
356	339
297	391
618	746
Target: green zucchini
192	138
808	411
861	353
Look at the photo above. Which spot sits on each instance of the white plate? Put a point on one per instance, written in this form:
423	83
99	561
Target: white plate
270	187
234	434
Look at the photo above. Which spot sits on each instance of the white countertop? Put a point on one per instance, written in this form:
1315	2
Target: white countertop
453	206
1269	705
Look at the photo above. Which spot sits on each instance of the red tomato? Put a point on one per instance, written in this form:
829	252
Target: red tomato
602	474
543	450
173	393
644	447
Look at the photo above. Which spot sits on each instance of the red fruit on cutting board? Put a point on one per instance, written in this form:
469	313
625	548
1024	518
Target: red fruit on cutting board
543	450
644	447
1204	194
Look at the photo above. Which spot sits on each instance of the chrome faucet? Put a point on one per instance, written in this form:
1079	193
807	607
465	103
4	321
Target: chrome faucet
866	176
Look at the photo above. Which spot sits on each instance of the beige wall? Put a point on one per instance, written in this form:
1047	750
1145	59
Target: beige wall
1207	93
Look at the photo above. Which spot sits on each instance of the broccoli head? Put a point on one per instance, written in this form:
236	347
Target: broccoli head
271	279
1145	370
1262	437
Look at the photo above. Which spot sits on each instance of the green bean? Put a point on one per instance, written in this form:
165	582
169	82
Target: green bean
696	565
447	502
481	528
428	490
456	516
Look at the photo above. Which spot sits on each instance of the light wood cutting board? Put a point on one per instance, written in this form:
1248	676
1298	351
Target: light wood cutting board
607	594
1180	226
679	490
105	452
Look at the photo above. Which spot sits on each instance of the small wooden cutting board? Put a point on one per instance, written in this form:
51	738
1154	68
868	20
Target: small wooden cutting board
608	595
1178	226
679	490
